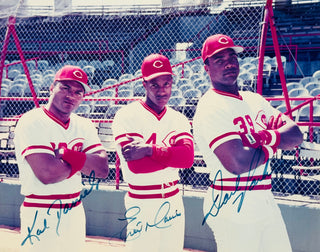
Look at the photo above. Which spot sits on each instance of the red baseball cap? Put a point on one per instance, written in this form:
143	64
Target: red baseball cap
216	43
73	73
155	65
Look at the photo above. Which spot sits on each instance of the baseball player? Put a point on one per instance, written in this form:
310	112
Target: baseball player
237	132
53	147
153	142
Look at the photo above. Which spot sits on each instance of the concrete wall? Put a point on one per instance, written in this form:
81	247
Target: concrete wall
104	208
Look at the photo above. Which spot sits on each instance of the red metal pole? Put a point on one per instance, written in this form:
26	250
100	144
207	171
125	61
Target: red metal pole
278	57
23	61
4	51
117	172
262	50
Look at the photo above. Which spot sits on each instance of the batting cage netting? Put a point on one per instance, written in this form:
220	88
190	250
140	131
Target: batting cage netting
110	44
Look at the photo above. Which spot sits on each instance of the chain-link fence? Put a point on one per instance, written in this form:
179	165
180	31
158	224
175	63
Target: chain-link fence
110	48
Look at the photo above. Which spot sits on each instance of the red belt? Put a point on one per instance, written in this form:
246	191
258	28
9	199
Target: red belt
53	201
153	187
241	188
154	196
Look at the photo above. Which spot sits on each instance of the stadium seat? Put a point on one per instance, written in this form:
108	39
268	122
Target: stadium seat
295	92
192	95
69	62
16	90
255	61
20	81
197	68
282	108
248	66
109	82
177	103
47	81
111	112
248	78
138	73
31	64
247	59
125	77
312	85
305	80
82	63
89	70
316	75
185	74
107	64
298	92
139	90
13	73
97	64
106	93
204	88
127	86
315	92
195	76
176	92
293	85
83	110
6	83
276	103
304	113
186	87
198	82
4	92
27	91
181	82
49	71
42	65
125	93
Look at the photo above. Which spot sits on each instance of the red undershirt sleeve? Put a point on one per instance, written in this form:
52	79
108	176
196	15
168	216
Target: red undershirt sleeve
179	156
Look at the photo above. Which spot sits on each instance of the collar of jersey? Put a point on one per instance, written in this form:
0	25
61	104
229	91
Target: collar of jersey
158	116
52	116
228	94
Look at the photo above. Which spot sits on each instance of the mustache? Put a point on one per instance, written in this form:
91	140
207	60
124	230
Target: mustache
231	70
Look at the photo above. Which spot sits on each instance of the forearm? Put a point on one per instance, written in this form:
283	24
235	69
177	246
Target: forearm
179	156
242	159
48	168
97	162
291	136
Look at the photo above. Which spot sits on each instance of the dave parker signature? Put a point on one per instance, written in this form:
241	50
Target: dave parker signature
221	198
136	227
39	226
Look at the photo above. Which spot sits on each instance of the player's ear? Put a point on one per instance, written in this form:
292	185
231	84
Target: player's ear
51	87
144	83
206	68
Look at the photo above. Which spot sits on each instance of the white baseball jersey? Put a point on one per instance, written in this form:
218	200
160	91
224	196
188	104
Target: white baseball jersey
138	120
38	131
235	205
152	192
219	118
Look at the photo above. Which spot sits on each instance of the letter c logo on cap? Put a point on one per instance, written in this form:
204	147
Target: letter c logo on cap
223	40
78	74
158	64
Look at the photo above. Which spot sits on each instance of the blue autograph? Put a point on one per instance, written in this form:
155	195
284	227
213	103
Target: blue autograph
35	233
161	220
223	198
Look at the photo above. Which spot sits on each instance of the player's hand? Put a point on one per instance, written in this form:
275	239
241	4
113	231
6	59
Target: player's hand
275	123
59	152
136	149
252	140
